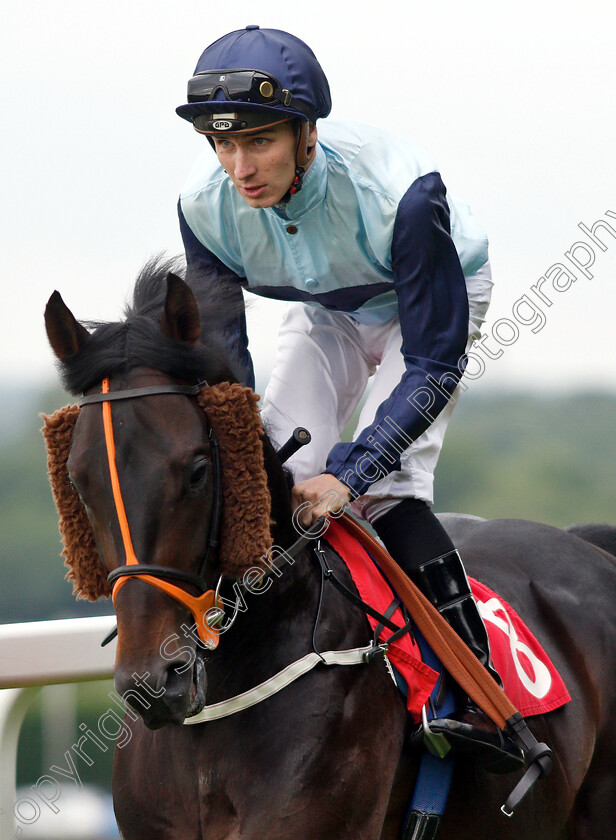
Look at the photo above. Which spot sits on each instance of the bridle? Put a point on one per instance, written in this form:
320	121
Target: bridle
205	608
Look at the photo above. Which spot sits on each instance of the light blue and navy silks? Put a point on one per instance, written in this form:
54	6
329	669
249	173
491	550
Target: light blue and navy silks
372	234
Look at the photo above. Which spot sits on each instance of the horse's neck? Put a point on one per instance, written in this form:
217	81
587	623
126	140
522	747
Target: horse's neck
272	629
278	625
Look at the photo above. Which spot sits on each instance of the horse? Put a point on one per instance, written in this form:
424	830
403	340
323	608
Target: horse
329	756
598	533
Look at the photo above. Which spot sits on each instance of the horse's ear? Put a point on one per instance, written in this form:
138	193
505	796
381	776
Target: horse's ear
65	333
181	320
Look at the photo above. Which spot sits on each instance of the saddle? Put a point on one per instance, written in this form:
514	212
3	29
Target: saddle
456	658
531	682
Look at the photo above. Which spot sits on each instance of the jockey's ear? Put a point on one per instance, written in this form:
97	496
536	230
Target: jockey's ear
306	142
181	320
312	136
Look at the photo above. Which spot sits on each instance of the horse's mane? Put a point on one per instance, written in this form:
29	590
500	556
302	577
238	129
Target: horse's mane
114	348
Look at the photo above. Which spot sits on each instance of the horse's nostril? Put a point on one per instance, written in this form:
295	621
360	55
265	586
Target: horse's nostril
179	676
158	698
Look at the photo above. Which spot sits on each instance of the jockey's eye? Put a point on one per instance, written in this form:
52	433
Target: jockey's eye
198	474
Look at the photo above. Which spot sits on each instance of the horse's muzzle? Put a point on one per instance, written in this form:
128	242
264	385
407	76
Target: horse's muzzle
164	695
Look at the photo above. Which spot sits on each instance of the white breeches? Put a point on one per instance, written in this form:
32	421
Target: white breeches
324	362
323	365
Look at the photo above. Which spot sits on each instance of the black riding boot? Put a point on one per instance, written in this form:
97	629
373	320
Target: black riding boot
413	536
443	581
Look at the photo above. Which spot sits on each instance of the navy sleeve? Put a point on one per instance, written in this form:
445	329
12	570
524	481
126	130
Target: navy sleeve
199	257
433	310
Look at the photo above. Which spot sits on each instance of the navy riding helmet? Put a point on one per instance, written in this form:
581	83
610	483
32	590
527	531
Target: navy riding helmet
255	78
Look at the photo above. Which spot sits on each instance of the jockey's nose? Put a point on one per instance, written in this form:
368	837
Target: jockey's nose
244	164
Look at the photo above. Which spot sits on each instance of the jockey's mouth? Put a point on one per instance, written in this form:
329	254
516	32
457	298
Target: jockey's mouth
254	191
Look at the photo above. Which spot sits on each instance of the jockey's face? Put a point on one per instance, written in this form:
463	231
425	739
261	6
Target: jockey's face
261	164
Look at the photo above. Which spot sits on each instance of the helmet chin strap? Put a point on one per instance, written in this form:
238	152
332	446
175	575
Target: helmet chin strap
302	159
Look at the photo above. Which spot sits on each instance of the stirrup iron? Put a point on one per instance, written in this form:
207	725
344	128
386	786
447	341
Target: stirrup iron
435	742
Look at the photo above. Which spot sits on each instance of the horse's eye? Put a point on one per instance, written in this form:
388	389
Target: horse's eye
198	475
75	488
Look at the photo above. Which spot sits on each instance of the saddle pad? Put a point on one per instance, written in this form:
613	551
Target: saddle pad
531	681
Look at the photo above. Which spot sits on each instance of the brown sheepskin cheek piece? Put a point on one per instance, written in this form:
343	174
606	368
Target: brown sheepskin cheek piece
246	518
88	574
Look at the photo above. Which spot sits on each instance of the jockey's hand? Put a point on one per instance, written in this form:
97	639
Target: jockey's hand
319	496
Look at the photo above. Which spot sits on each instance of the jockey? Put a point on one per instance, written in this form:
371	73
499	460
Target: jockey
386	277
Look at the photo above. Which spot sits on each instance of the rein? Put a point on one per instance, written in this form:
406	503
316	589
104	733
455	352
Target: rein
160	576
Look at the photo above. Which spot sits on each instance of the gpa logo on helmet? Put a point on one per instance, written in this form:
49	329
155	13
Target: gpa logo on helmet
222	125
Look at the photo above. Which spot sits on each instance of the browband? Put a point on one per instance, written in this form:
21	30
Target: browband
190	390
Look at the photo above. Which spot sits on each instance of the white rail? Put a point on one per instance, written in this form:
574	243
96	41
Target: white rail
33	655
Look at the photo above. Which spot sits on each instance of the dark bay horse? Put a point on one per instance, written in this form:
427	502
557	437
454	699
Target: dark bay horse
327	757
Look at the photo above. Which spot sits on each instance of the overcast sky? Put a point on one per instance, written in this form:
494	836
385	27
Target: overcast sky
514	101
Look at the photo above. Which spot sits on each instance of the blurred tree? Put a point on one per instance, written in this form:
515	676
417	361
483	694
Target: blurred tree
33	573
518	455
